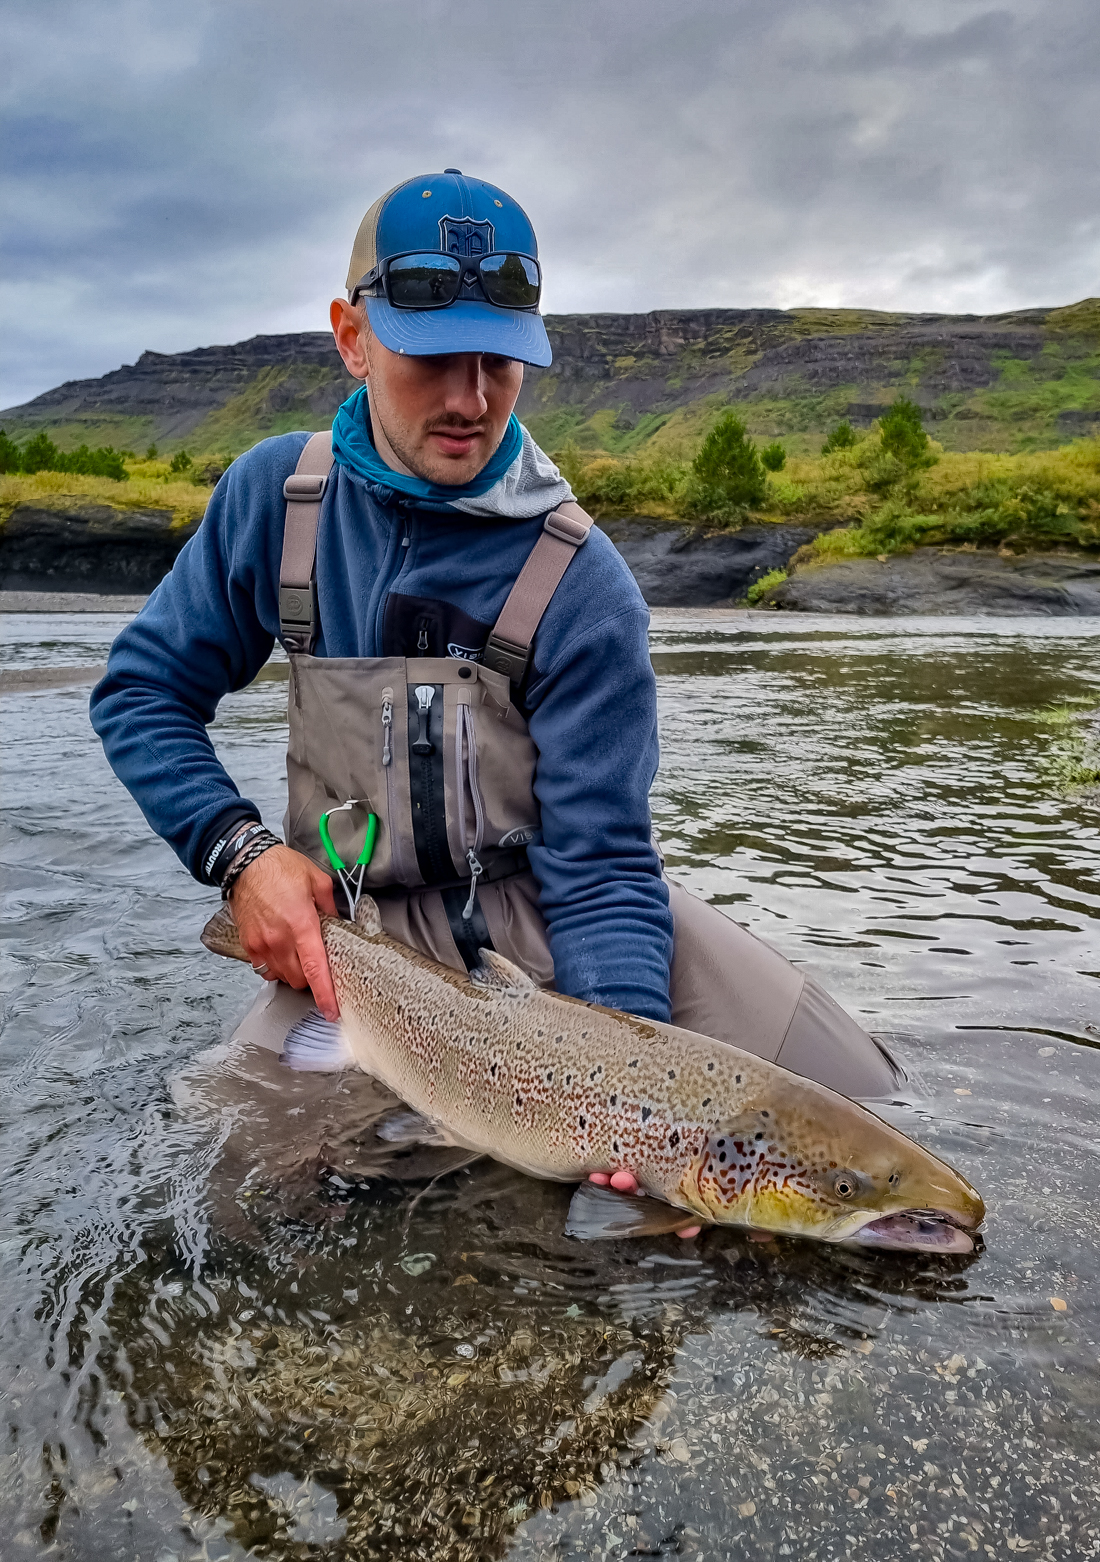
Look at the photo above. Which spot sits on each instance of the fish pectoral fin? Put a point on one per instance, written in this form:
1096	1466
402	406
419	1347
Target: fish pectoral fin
220	936
404	1126
316	1045
599	1214
368	918
501	975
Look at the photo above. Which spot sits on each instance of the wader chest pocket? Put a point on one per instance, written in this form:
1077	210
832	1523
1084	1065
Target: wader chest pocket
437	747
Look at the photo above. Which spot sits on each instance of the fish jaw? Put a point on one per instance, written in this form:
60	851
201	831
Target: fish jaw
926	1231
774	1169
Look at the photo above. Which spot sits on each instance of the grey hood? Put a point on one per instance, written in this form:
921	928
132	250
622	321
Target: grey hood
531	486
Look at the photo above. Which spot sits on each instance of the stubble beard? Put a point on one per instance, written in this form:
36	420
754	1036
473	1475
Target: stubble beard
439	470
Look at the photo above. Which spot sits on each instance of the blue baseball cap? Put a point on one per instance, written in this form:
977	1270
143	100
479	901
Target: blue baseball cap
463	217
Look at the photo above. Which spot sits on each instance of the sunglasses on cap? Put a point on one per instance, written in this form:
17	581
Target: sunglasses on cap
432	280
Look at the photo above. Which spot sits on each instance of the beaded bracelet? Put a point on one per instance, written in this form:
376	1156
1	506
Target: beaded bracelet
222	853
261	842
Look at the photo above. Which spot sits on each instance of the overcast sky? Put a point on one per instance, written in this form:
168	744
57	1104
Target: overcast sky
178	175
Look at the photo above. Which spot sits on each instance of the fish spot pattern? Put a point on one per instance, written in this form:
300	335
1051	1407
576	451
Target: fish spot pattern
508	1072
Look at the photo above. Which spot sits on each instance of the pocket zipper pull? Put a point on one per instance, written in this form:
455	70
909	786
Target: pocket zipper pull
476	870
387	731
422	641
425	693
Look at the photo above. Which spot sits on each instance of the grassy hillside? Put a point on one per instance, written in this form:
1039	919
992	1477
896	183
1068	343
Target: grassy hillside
651	385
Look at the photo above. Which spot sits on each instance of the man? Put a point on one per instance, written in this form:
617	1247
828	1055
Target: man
470	684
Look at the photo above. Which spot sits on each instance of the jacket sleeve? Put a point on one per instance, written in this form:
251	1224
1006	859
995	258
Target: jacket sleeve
594	723
206	630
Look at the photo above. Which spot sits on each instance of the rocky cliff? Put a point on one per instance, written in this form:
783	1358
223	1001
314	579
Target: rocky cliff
626	382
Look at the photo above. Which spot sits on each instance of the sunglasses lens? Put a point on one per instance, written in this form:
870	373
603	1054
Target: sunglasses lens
419	281
511	281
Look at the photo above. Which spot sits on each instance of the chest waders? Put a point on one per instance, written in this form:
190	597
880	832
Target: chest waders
436	749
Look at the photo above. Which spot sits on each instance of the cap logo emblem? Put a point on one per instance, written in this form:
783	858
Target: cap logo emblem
465	239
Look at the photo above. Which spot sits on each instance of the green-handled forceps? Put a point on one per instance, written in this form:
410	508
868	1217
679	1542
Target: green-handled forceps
351	878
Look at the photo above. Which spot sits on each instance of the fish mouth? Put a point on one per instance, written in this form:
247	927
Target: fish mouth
927	1230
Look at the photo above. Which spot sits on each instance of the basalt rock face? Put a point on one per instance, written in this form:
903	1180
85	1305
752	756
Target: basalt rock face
682	566
177	391
93	548
931	582
789	370
660	360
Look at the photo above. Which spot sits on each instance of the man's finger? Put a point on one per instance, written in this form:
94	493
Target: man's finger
311	953
624	1182
323	894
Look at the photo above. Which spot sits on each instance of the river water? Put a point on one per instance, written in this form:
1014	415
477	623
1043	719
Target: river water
209	1349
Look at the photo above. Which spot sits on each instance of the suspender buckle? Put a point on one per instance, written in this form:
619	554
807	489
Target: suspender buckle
298	616
566	529
501	656
305	487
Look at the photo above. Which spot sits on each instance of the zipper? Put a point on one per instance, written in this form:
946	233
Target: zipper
476	870
422	638
423	746
466	782
427	782
381	590
387	727
397	854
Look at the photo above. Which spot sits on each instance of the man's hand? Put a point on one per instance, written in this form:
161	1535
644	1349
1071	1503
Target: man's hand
275	904
626	1182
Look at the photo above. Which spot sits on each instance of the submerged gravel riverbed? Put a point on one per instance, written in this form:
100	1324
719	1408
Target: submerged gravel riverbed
221	1335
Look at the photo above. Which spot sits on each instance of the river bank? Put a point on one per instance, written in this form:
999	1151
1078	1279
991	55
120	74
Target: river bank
848	531
90	558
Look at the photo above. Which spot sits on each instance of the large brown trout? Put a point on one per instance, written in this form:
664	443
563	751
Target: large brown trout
559	1088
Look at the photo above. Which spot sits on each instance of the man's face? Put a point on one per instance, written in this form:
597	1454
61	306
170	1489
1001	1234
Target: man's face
443	417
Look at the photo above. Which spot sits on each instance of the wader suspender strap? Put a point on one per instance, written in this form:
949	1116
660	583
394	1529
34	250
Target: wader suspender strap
303	491
508	649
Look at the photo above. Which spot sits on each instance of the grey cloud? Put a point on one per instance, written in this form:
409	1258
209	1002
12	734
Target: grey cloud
181	176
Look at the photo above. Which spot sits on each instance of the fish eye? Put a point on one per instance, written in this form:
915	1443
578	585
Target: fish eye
844	1184
894	1179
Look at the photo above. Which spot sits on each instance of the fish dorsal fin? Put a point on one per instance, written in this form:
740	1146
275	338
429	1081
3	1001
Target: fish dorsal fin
368	918
599	1214
501	976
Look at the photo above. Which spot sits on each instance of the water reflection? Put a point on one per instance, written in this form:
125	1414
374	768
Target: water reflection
227	1328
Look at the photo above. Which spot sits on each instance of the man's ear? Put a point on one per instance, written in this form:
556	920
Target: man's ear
350	329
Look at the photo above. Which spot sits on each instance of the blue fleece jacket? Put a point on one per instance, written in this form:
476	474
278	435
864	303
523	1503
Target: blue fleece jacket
590	700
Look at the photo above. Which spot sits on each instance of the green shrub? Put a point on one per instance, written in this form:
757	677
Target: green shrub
759	588
151	453
727	474
39	455
608	486
902	431
180	461
102	462
774	457
842	437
